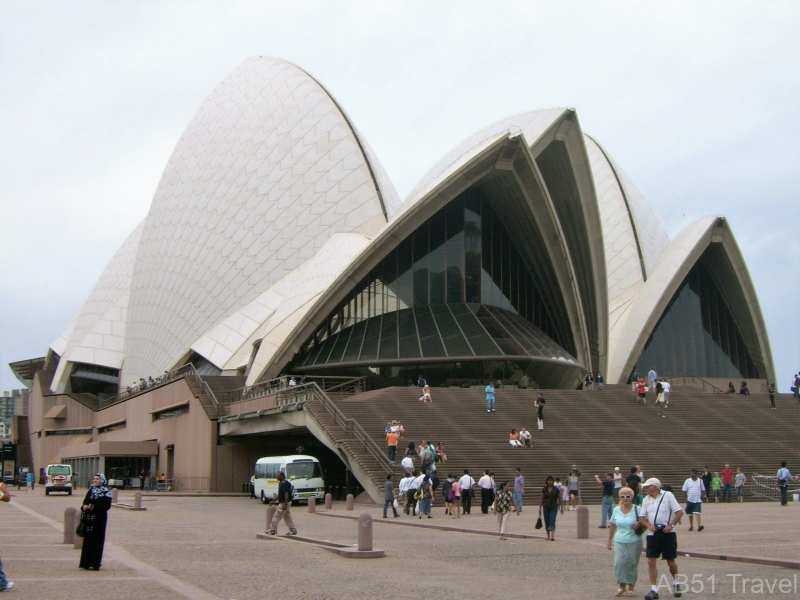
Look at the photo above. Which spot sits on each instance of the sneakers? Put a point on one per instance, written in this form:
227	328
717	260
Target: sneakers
9	585
271	532
292	532
692	528
651	596
676	590
701	528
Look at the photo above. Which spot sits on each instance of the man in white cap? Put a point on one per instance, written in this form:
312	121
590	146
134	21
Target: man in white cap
617	481
660	513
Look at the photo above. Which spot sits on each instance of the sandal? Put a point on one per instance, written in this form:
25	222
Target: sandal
631	593
619	592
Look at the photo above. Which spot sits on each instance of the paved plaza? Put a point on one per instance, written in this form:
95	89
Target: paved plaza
205	548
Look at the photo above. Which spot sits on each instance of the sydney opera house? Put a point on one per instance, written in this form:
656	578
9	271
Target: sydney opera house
276	244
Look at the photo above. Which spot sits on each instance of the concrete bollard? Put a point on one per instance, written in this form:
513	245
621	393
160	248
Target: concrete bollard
114	496
350	502
329	501
312	506
70	523
270	514
364	532
583	522
137	500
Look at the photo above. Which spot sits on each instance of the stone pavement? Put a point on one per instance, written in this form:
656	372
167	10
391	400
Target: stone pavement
205	548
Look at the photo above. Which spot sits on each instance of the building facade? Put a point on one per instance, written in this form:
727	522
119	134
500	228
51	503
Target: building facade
276	244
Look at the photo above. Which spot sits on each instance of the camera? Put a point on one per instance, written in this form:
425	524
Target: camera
661	527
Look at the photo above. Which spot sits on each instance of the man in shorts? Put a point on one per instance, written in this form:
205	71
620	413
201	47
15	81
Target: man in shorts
695	490
660	513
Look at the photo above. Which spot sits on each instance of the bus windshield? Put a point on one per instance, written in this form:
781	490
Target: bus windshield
303	470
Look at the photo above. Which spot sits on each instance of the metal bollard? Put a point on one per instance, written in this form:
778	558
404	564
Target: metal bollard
137	500
583	522
312	505
329	501
270	515
364	532
114	495
350	502
70	523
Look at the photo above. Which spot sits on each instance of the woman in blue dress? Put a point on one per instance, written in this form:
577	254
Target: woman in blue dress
626	544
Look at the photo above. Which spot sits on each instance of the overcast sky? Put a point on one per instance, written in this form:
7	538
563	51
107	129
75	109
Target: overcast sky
697	101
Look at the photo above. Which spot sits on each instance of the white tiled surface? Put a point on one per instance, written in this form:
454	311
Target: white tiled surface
531	124
675	262
266	172
96	335
229	344
653	238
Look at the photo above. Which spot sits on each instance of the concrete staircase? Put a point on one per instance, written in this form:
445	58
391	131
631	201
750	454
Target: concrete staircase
597	430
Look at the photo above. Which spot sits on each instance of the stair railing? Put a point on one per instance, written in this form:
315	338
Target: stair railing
350	427
697	382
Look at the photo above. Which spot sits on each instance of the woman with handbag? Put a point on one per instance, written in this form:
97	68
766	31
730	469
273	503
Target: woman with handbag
626	541
503	502
94	514
548	506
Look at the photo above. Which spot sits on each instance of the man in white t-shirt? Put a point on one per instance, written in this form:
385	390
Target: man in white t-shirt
617	481
525	437
695	490
660	512
467	483
408	465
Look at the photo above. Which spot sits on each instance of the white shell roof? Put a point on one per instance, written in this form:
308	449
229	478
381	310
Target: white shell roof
267	171
532	125
96	334
643	313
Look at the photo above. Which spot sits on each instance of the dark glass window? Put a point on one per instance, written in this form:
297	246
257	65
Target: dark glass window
462	256
698	335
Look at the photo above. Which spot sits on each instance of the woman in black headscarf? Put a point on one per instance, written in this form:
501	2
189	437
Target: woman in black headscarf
94	513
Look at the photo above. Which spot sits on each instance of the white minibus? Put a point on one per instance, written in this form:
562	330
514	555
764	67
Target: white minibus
58	478
304	473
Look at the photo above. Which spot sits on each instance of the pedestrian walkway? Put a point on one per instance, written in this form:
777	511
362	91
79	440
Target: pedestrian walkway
205	548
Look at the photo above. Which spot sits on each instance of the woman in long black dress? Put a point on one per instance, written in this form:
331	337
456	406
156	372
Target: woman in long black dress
95	514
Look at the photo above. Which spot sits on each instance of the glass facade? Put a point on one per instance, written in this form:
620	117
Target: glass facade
99	381
456	288
698	335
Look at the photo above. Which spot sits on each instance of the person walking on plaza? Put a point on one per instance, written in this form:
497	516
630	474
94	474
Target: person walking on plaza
503	502
727	483
489	397
5	584
467	484
695	490
285	493
660	512
707	476
519	488
389	496
740	480
573	483
94	513
608	497
487	494
784	478
411	493
626	542
426	502
548	507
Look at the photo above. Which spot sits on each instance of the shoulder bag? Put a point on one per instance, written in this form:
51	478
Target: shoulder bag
80	531
638	528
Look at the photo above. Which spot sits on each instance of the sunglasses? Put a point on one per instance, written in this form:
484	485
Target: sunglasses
625	496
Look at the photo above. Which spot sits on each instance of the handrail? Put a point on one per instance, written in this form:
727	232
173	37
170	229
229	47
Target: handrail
693	379
162	380
351	425
280	384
